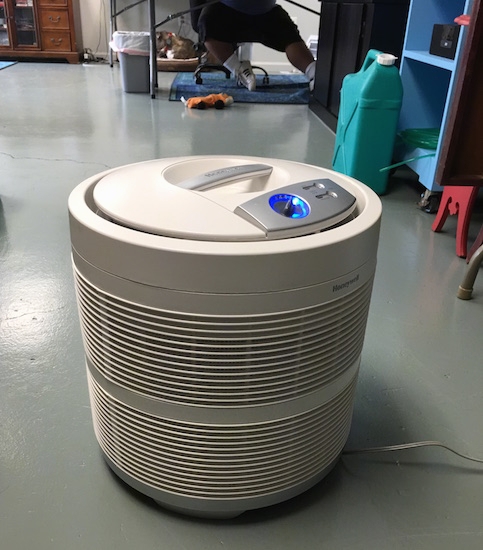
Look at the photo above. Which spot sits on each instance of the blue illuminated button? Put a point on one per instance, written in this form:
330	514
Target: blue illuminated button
289	205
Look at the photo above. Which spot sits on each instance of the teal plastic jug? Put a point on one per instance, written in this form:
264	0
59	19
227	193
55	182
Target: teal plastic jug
368	119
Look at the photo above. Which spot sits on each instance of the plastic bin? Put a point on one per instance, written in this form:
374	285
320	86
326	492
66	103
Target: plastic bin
368	118
133	51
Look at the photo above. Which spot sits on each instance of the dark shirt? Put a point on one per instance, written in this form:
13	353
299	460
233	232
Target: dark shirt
251	7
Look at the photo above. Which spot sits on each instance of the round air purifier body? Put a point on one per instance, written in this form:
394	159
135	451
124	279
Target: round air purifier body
223	304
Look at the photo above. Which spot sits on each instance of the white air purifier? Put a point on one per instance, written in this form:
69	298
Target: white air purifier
223	303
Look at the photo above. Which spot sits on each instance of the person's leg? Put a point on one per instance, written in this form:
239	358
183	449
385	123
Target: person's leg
219	30
241	70
221	50
281	34
299	55
302	59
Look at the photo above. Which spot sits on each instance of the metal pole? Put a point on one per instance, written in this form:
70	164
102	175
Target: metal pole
112	5
303	7
152	43
152	49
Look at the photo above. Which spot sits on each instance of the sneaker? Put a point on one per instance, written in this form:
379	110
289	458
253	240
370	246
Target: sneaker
246	77
310	74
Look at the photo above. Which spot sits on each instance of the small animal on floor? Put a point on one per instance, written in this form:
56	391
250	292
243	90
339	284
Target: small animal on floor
172	46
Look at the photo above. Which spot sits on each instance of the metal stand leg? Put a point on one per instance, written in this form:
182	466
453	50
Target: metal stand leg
112	28
152	50
466	287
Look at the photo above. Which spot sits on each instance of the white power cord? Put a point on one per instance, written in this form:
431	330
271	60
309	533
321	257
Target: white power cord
391	448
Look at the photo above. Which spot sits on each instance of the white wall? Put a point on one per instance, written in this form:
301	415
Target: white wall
96	35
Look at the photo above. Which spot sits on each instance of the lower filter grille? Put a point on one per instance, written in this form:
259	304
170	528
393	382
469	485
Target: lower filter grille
221	461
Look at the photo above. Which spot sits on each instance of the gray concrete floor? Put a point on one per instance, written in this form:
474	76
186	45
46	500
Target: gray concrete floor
421	376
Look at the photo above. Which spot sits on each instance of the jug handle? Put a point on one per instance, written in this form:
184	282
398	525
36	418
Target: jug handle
370	58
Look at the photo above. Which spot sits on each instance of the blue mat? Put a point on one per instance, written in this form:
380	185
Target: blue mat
282	88
5	64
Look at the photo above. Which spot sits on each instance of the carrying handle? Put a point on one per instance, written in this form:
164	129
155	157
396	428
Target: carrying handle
370	58
222	176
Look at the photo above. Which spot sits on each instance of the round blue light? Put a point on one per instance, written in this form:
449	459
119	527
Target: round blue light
289	206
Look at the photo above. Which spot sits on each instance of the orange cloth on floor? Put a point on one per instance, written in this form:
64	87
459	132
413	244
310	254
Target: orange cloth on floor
211	100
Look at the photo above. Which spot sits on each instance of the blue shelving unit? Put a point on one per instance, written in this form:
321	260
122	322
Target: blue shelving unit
428	80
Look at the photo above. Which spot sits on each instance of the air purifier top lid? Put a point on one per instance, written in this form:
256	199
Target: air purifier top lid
224	199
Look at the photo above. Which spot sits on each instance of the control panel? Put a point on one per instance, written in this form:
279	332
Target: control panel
299	208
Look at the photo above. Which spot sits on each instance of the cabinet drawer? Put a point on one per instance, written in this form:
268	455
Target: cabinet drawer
54	19
56	41
52	2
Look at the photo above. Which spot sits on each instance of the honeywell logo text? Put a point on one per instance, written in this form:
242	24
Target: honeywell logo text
220	172
347	284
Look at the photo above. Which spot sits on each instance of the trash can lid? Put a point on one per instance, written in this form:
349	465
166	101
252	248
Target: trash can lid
224	199
130	41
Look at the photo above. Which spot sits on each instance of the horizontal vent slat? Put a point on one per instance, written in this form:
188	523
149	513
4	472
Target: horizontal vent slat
221	360
141	445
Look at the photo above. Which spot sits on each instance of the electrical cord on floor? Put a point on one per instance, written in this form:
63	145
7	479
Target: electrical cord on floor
91	57
391	448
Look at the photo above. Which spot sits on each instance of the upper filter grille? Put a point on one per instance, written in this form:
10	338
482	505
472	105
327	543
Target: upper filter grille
221	360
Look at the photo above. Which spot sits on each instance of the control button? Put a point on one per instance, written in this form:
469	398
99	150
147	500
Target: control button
314	187
289	206
326	195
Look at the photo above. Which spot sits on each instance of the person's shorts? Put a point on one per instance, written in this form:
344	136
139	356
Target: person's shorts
273	29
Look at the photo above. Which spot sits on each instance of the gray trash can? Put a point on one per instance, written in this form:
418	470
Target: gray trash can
133	51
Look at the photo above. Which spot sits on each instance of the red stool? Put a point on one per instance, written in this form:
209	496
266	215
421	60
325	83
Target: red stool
457	199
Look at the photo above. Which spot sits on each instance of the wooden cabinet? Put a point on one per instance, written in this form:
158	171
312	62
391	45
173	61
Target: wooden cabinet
348	30
461	161
40	29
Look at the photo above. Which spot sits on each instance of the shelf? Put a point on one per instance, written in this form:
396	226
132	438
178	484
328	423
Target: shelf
426	89
428	80
424	167
424	14
430	59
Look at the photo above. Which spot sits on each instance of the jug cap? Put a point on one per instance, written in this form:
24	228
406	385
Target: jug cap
386	59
